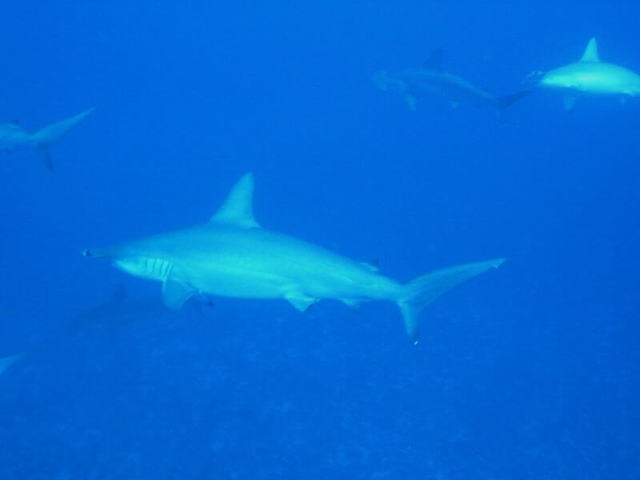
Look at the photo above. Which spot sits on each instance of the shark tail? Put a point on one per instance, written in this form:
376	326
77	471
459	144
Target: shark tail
504	102
423	290
46	136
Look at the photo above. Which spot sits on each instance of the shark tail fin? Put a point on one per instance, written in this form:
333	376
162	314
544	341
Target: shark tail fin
423	290
50	134
504	102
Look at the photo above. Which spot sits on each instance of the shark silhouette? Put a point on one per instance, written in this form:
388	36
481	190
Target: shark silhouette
590	76
431	80
119	311
14	137
233	256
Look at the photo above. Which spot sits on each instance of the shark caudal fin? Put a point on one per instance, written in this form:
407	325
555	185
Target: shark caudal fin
423	290
46	136
502	103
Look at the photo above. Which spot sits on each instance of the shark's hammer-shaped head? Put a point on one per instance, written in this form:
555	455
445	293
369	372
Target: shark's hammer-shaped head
136	259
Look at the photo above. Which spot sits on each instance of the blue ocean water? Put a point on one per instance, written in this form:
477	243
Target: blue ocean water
528	372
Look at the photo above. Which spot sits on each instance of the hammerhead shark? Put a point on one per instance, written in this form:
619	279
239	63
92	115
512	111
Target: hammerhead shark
233	256
431	80
121	310
14	137
118	311
590	76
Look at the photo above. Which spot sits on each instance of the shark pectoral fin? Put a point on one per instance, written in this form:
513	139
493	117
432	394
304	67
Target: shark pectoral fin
176	293
350	302
300	302
411	102
569	102
372	267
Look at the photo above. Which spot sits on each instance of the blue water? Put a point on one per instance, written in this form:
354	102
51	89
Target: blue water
528	372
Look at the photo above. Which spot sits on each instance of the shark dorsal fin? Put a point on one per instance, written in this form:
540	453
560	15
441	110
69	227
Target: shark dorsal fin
237	209
434	62
591	52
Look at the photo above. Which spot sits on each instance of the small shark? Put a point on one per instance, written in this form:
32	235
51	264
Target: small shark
431	80
6	362
233	256
590	76
14	137
119	311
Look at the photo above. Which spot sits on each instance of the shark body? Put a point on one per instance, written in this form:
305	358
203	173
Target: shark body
591	76
431	80
233	256
14	137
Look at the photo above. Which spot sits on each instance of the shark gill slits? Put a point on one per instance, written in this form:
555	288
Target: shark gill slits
156	267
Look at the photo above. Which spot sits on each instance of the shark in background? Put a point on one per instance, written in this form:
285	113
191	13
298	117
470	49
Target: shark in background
6	362
233	256
431	80
590	76
14	137
117	312
120	311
